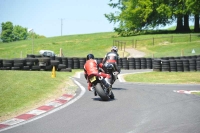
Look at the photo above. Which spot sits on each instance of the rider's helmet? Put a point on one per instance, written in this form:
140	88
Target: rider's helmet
90	56
114	48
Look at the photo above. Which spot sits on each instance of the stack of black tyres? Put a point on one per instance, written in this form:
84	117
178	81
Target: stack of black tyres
185	65
7	64
149	63
125	63
192	64
47	61
70	63
131	63
30	62
59	59
172	65
82	62
54	63
165	65
137	63
156	64
43	60
198	63
18	64
179	64
61	65
143	63
76	63
120	62
1	63
65	61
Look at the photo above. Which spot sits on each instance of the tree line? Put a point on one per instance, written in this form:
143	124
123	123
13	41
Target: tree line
136	15
11	33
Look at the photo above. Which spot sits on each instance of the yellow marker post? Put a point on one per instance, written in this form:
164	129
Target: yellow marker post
53	75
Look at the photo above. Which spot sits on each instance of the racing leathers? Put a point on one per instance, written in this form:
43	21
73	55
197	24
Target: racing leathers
91	67
111	58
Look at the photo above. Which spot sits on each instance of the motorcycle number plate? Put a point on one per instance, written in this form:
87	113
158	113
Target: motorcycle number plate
92	79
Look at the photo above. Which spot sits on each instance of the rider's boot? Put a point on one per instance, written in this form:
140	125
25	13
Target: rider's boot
90	87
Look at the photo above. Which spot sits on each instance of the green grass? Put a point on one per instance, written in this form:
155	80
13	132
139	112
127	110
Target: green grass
100	43
165	77
196	93
72	46
20	89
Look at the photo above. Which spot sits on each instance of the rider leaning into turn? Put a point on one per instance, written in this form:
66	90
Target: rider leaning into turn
91	67
112	57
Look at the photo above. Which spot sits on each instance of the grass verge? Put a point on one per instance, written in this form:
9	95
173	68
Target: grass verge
23	90
165	77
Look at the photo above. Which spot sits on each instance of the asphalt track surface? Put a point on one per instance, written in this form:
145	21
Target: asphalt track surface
137	108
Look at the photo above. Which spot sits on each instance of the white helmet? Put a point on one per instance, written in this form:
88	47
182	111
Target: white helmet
114	48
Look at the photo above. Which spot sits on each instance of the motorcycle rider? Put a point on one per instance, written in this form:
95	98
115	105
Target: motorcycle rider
112	57
91	67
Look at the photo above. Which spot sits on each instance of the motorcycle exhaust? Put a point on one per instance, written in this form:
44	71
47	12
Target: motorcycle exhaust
104	82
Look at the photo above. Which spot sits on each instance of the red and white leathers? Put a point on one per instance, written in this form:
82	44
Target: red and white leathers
91	67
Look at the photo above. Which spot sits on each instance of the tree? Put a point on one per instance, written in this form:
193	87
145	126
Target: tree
194	7
136	15
16	33
6	35
19	33
181	13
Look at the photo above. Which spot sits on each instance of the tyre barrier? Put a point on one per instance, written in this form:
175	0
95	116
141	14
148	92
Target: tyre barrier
192	64
165	65
34	63
185	65
143	63
1	63
120	63
157	65
179	64
137	63
65	61
76	63
70	62
131	63
170	64
125	63
198	64
82	62
149	63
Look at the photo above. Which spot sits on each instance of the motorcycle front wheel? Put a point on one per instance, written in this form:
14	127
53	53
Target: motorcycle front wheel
100	91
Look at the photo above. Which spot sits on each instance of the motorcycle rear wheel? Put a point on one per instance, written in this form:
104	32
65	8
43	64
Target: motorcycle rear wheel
100	91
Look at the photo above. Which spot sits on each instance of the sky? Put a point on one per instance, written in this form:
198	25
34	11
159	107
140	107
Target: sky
45	16
58	17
